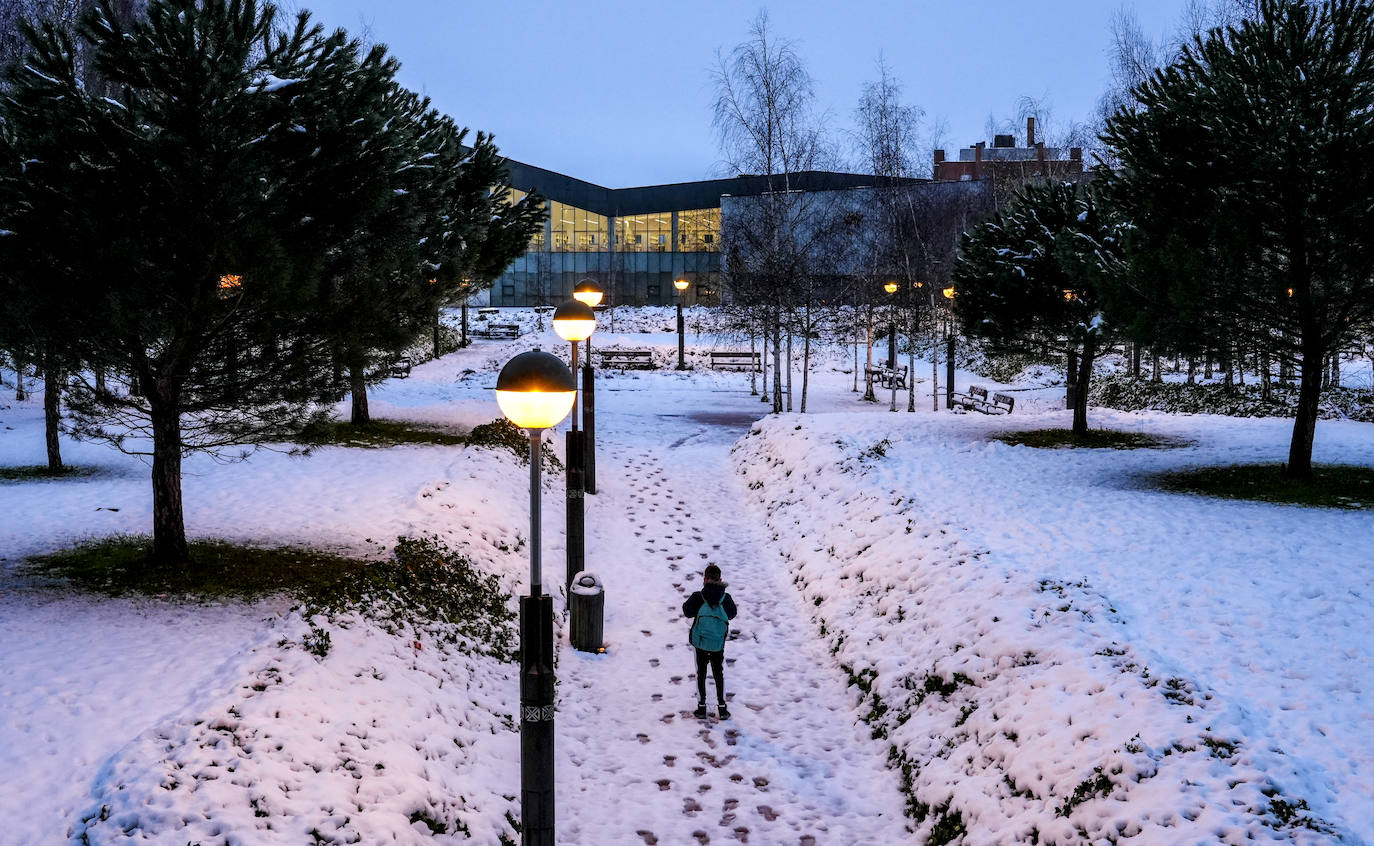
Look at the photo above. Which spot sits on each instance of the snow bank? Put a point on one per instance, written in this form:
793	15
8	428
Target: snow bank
1016	704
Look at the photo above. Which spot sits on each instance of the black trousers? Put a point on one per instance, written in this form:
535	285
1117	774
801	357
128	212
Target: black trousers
717	662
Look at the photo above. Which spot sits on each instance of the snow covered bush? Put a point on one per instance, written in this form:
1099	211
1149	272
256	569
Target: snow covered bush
1128	394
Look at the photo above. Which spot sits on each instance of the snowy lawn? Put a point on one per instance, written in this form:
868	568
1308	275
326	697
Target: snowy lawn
1008	620
1052	648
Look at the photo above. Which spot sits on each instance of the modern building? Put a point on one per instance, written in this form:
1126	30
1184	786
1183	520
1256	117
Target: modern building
633	241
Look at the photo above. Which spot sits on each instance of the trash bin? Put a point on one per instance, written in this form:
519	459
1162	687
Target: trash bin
586	610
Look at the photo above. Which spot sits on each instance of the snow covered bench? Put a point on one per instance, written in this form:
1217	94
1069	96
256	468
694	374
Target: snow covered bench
734	359
400	368
498	330
977	400
625	359
886	376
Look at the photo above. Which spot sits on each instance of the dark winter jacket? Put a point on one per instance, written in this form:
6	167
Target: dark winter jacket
713	593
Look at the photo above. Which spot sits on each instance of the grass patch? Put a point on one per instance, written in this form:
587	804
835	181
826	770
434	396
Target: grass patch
219	569
377	434
41	471
1094	439
1331	486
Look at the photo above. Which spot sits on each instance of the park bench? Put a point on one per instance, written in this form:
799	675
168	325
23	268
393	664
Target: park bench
626	359
543	309
400	368
483	313
977	400
886	376
734	360
498	330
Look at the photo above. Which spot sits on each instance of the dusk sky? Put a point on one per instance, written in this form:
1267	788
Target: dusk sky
620	93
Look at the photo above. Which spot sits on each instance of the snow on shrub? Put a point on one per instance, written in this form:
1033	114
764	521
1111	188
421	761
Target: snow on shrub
1013	712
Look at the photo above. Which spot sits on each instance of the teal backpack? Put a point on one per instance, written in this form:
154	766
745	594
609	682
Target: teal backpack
710	628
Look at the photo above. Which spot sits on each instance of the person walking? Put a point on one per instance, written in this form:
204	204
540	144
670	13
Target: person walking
711	610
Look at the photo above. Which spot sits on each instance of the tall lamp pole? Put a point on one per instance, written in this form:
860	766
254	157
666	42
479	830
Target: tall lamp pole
949	347
891	288
590	295
575	321
681	285
535	392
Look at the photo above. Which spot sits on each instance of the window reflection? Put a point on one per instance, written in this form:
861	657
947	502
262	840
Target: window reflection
644	233
698	231
577	230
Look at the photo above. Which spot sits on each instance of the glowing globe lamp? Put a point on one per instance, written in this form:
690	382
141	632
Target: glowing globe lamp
574	321
587	292
890	287
681	284
535	390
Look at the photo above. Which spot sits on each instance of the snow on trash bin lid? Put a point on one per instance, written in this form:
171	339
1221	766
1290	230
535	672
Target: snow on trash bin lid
587	583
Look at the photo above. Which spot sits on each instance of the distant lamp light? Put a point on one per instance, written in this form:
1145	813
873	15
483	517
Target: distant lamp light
1069	296
681	284
890	287
574	321
918	284
535	390
949	293
587	292
1290	292
231	283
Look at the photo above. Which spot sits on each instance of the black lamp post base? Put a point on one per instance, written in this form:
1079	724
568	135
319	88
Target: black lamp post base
536	721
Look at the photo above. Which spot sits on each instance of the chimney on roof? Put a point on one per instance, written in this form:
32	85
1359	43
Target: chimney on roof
1040	157
978	159
1003	141
1030	132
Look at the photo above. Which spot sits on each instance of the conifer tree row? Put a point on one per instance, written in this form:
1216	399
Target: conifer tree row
256	202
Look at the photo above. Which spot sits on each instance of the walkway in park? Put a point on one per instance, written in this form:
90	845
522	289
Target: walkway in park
790	765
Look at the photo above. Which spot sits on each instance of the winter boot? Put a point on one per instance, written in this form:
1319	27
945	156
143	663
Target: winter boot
722	711
700	712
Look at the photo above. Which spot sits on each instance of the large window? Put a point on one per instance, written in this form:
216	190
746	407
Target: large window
645	233
698	231
577	230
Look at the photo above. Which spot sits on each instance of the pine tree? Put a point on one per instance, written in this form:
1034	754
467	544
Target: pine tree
1244	180
1031	279
186	220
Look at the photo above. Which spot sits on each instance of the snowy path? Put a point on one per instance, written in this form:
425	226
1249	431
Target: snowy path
790	766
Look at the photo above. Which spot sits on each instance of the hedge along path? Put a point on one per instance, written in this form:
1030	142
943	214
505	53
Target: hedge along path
792	764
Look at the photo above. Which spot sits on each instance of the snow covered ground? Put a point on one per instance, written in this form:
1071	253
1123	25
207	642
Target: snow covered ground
1044	616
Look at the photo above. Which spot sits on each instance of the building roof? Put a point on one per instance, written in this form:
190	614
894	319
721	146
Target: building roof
677	196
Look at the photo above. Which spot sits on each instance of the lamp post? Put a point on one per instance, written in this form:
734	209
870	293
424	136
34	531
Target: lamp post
681	285
590	295
949	347
535	392
575	321
891	288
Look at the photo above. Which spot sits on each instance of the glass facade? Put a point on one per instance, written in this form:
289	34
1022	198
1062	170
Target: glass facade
644	233
698	231
574	230
635	258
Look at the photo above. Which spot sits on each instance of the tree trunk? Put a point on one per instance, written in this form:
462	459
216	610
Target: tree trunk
19	393
911	368
806	360
753	375
777	367
1155	374
1266	386
934	365
463	332
869	396
52	414
437	313
855	389
763	362
1071	381
1135	360
169	526
789	371
1335	370
100	381
1085	373
1192	369
358	383
1305	424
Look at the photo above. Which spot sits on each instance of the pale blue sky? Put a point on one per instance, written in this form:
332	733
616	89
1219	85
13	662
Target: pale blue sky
619	93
